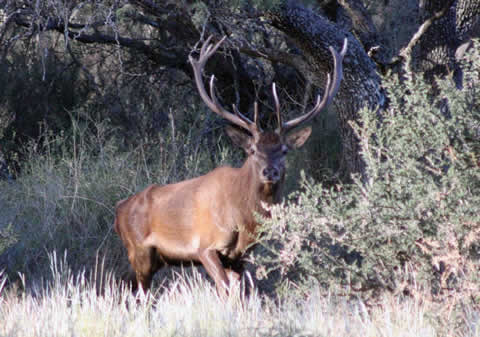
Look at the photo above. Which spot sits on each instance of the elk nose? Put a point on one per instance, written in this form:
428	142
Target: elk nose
271	173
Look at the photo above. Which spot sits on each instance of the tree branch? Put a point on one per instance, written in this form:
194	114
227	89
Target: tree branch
272	55
407	50
156	54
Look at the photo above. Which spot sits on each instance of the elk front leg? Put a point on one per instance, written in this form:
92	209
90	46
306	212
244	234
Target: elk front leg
232	275
214	267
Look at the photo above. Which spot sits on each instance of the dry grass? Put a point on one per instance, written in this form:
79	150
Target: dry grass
69	305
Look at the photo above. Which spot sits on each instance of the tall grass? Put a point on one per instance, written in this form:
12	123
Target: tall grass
65	196
69	304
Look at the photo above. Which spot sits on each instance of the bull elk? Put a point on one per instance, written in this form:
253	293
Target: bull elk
211	219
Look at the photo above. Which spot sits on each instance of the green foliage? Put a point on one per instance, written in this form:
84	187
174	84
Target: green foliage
414	223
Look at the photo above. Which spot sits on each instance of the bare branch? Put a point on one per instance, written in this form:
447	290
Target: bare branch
158	55
407	50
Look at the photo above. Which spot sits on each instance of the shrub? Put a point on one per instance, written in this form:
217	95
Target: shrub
414	223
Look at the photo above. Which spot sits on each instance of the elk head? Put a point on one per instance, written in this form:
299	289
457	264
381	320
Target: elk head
266	149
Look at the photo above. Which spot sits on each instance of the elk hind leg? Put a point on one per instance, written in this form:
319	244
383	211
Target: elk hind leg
145	263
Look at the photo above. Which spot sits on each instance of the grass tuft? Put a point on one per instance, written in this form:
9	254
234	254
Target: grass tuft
69	304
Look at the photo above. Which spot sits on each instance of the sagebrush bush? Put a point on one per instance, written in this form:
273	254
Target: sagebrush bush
413	223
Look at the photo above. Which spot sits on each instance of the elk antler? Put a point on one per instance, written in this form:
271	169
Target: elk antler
331	88
211	101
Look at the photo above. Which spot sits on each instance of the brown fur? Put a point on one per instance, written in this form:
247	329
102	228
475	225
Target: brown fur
213	215
198	219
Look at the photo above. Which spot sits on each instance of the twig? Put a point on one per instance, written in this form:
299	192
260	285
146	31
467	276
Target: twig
404	54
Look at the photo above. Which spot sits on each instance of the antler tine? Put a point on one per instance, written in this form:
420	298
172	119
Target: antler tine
242	116
211	101
331	89
255	124
208	50
255	116
277	106
238	118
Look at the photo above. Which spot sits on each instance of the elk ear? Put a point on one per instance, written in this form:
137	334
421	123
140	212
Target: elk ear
240	138
298	138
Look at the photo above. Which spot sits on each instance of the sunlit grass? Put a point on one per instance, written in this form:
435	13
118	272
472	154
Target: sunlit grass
77	305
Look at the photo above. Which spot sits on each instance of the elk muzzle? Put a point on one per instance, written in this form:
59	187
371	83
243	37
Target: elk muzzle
271	174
